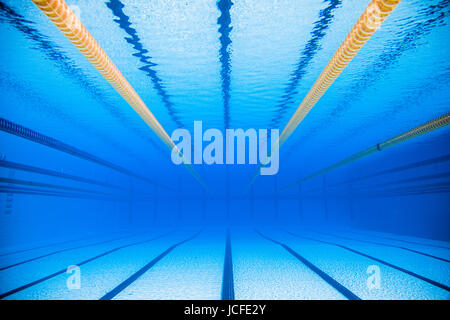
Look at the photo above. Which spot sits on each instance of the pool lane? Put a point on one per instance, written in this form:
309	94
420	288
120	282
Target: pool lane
192	270
228	277
325	277
47	278
15	255
265	270
421	242
436	248
44	244
32	256
422	266
352	269
271	264
444	255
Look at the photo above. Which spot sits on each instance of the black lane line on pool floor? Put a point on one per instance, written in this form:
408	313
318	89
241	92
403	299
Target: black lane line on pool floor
122	286
418	276
33	283
400	240
46	246
64	250
228	280
336	285
382	244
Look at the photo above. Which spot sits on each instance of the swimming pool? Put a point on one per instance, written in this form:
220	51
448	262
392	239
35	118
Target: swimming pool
308	149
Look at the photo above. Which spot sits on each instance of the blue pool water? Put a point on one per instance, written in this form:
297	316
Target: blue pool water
85	182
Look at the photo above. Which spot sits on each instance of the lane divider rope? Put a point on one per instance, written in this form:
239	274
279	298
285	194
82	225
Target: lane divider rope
70	25
427	127
372	18
37	137
376	12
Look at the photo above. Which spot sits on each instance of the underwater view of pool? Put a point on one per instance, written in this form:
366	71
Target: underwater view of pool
225	150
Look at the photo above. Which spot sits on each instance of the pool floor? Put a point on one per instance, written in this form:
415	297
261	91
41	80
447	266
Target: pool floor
263	263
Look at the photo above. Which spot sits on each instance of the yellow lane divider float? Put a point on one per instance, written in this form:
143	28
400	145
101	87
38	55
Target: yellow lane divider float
372	18
418	131
68	23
